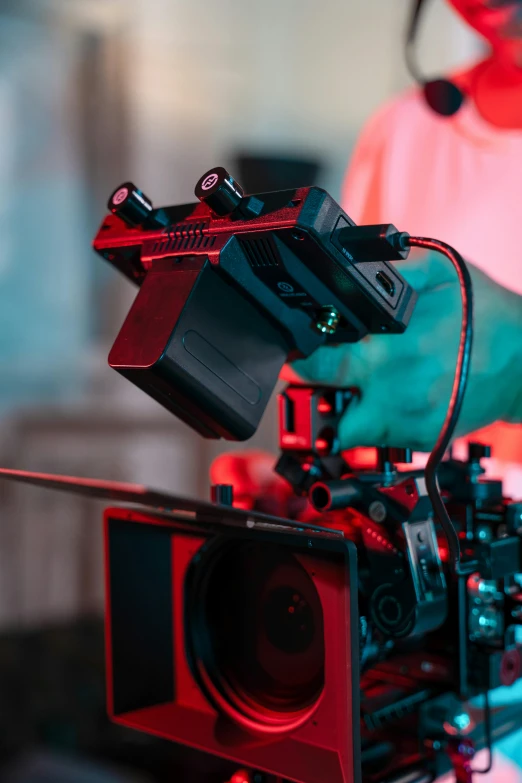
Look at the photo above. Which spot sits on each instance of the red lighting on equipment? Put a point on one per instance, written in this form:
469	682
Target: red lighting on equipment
159	679
322	446
324	406
242	776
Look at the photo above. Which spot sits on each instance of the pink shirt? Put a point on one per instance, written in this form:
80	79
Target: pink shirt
457	179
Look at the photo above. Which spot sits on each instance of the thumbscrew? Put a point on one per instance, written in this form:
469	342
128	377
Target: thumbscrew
327	320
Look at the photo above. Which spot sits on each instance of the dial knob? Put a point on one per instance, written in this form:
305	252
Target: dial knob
130	204
220	191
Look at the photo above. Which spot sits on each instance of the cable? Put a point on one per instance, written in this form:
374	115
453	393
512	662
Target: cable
457	396
443	96
410	41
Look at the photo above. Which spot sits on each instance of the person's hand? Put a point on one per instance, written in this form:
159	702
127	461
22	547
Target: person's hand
405	380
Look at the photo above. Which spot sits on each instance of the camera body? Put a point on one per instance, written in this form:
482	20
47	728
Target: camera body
233	286
230	288
343	651
432	643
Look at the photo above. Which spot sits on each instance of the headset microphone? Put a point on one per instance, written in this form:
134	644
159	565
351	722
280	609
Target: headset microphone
442	95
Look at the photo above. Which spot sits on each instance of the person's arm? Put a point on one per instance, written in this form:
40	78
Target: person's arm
405	380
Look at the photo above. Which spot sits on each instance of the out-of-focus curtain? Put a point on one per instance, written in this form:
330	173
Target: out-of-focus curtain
44	246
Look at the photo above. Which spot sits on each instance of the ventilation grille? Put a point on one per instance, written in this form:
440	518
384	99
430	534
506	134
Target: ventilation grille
261	252
184	236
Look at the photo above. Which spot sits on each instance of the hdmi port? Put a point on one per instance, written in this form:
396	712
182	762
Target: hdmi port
385	282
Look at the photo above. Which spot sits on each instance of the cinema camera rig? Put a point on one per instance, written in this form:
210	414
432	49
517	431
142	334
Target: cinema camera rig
361	645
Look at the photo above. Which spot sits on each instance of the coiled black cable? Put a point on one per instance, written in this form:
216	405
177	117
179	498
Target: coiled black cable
457	396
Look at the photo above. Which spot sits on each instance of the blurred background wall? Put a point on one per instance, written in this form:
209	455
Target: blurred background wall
94	92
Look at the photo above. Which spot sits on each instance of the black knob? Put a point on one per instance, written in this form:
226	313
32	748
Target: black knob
478	451
222	494
130	204
220	191
387	457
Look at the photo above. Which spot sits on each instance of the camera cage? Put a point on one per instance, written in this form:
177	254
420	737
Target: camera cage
180	257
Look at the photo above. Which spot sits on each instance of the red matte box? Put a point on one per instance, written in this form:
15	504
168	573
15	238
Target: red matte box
153	683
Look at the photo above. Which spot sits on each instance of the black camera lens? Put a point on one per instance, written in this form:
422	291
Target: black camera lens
288	620
255	628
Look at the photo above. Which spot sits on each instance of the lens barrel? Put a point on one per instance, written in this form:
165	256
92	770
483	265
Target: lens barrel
254	632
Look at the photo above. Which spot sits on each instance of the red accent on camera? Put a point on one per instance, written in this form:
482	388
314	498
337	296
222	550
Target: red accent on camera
150	683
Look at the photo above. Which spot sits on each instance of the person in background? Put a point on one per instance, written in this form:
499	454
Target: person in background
456	177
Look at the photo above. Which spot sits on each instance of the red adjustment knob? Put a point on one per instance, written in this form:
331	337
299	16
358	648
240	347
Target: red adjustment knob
324	407
241	776
326	442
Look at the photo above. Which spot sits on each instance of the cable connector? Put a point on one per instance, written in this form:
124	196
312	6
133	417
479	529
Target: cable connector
401	240
374	243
